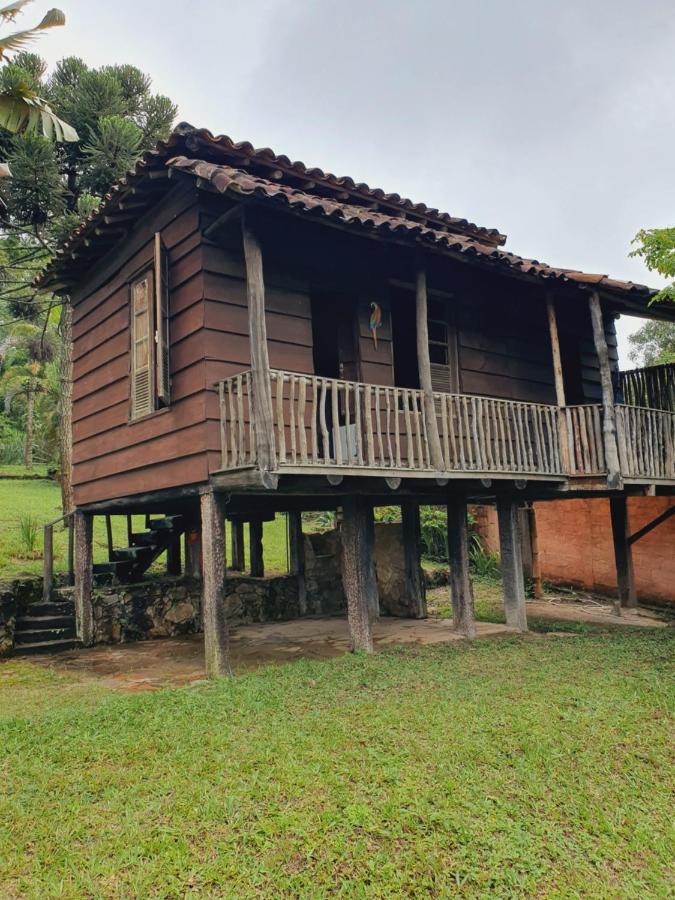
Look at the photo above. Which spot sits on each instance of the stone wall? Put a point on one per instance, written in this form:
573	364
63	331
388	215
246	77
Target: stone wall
15	597
166	607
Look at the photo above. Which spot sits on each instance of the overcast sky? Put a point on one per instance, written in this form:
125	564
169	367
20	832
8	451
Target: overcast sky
552	121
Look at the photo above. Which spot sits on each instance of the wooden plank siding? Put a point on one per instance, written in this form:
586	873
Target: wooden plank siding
225	338
113	456
500	326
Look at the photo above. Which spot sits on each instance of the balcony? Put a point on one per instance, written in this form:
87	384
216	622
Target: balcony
333	427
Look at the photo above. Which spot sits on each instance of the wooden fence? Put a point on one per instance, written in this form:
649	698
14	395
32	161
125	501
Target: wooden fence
652	387
646	442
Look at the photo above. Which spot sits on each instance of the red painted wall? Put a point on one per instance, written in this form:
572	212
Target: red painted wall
575	544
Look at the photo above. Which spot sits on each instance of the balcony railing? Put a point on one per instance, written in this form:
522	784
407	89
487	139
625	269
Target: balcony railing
332	423
327	424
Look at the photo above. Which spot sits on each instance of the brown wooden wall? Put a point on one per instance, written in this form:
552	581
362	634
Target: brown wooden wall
112	456
503	347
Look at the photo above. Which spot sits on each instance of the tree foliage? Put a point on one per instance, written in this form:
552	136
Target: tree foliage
654	343
656	246
22	109
54	186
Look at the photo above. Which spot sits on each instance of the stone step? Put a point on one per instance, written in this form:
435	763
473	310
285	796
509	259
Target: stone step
41	635
24	623
46	647
52	608
131	554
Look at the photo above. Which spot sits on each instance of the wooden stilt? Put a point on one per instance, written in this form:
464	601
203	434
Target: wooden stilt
216	644
412	539
559	382
255	533
614	479
424	369
623	553
358	571
296	548
238	563
461	595
260	364
512	563
84	611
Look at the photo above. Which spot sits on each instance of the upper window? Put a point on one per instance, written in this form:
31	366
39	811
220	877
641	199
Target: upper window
150	387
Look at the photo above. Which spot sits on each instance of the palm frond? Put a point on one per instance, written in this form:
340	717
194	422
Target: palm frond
54	18
9	12
22	112
19	39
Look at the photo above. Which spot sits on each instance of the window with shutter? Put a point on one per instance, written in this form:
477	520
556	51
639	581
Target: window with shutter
141	350
150	365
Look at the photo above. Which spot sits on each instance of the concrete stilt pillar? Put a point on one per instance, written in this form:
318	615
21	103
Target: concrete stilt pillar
412	548
84	611
296	553
512	563
216	644
193	552
461	594
237	563
623	554
255	533
358	571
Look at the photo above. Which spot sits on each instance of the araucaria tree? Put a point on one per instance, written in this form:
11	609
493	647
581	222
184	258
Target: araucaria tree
53	185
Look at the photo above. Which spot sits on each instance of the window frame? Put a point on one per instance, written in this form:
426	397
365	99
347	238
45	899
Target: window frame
158	327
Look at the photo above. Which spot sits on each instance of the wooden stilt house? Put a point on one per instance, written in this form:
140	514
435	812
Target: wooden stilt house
253	336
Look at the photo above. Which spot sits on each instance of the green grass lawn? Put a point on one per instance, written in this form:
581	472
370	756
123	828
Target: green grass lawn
41	501
538	767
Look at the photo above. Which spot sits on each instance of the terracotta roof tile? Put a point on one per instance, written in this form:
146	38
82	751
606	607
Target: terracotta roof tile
240	169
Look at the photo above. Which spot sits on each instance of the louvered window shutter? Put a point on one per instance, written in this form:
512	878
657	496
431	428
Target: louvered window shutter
162	322
141	356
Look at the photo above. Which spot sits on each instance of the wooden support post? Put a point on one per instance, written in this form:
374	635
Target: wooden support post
48	563
237	546
412	541
537	580
193	553
173	561
296	557
255	536
614	479
214	614
109	537
623	553
559	382
424	367
70	576
260	364
358	571
512	563
84	611
461	594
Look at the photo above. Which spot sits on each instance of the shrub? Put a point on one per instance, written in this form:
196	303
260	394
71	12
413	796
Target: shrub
387	514
484	563
434	528
28	534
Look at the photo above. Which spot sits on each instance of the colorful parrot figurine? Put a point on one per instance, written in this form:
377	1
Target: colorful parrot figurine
375	321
